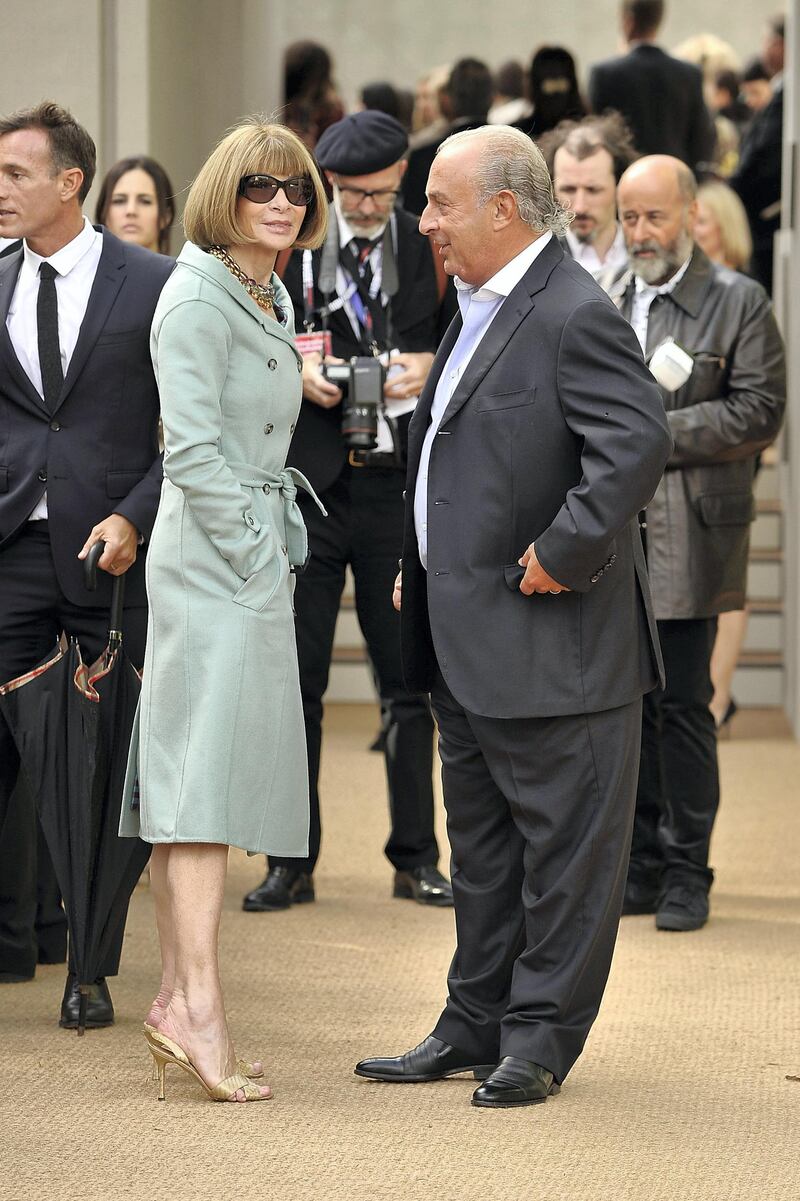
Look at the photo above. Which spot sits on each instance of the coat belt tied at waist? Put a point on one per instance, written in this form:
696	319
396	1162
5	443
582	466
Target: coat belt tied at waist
286	482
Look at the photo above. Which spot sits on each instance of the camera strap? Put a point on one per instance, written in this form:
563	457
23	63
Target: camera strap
362	297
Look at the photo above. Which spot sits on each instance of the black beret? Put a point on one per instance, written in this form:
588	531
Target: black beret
361	143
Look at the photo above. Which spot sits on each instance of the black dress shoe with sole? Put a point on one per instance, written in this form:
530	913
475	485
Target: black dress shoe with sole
683	908
15	977
515	1082
282	888
99	1010
431	1060
426	885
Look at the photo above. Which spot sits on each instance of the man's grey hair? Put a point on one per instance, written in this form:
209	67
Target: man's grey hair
510	162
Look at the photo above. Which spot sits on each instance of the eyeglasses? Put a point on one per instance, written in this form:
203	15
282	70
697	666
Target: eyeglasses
298	190
380	196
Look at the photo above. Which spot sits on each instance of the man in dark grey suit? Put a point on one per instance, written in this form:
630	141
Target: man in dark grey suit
660	97
526	613
79	462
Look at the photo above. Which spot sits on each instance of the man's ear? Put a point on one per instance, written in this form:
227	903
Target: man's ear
70	183
504	209
403	166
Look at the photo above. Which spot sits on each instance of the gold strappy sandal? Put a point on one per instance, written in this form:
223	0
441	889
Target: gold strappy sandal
165	1051
243	1065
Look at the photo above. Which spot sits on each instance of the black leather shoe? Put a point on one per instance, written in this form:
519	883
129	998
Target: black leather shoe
641	896
99	1011
424	884
515	1082
431	1060
682	907
283	887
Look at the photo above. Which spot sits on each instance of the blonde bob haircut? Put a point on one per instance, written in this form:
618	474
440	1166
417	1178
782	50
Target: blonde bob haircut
734	229
255	147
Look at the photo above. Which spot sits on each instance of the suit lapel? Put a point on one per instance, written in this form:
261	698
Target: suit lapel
513	311
26	393
422	412
109	278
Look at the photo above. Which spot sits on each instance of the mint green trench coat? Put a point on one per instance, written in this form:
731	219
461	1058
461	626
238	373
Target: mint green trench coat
218	751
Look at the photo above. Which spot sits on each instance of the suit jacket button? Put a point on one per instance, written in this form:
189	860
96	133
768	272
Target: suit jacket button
269	427
273	364
55	427
42	477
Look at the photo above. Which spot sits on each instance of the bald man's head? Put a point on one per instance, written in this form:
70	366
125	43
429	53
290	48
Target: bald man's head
657	198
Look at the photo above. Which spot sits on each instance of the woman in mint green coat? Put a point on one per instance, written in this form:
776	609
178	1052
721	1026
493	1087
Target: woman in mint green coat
218	756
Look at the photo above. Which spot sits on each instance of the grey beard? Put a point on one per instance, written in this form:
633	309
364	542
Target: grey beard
660	269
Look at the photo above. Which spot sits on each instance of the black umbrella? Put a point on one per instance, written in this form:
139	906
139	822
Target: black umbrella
72	725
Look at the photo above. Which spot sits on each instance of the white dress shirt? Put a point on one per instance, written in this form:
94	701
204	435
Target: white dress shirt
600	269
76	264
479	306
644	295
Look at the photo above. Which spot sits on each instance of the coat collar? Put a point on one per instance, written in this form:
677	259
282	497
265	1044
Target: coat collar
201	263
513	310
689	294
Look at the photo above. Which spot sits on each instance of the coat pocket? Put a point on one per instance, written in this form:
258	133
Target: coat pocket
120	483
259	588
726	508
505	400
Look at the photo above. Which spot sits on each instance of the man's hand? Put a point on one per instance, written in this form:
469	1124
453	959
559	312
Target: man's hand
316	387
121	538
536	578
410	382
397	595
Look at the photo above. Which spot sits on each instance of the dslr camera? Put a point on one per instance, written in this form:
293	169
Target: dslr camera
361	381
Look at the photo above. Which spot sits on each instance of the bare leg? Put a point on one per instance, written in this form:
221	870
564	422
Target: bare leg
193	885
731	629
158	885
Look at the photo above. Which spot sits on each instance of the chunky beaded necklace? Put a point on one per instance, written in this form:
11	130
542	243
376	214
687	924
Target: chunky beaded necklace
262	294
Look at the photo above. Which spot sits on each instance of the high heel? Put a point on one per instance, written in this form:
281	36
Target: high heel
165	1051
242	1065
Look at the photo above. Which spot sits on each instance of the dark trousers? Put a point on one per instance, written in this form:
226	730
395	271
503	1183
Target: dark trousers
33	613
539	815
678	791
364	528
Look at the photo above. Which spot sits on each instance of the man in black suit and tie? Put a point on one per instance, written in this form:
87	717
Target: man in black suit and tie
660	97
79	461
526	611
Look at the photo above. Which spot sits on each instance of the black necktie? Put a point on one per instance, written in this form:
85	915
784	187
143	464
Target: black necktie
363	248
47	327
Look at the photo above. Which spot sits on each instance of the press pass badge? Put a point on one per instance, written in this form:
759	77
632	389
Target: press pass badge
316	340
671	365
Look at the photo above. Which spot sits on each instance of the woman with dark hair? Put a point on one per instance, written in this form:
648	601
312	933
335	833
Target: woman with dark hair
311	102
553	91
136	203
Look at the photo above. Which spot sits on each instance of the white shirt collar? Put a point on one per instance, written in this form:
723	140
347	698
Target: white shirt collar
504	281
581	250
346	231
68	256
645	289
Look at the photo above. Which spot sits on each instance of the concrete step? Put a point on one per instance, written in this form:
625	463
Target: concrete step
765	630
759	686
765	574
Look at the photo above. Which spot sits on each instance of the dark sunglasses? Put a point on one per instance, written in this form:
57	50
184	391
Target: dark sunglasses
262	188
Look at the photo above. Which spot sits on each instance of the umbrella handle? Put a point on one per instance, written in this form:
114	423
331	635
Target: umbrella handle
117	593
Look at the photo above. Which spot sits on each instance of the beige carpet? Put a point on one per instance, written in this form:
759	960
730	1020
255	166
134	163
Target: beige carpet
688	1089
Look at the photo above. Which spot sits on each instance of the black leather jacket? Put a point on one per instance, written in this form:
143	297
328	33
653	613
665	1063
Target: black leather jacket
731	407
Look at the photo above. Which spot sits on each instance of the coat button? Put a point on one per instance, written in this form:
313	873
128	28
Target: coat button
291	428
299	367
42	477
55	427
269	427
273	364
266	489
284	550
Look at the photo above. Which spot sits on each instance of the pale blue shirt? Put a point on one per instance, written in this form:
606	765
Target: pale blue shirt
479	307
